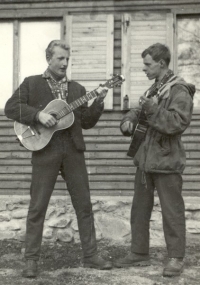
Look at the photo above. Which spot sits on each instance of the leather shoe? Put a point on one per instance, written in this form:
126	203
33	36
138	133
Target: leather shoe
97	262
174	267
133	259
30	270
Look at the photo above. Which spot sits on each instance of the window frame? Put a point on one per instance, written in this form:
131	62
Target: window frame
173	35
126	43
16	20
26	14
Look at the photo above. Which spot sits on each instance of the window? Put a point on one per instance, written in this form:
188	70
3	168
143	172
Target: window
25	55
34	38
188	46
6	59
25	41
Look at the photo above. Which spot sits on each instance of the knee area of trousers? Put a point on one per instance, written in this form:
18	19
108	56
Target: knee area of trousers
85	208
37	211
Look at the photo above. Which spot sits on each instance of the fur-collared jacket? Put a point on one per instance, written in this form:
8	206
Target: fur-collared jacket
162	151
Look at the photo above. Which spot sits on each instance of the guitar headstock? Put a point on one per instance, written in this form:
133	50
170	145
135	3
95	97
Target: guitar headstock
115	81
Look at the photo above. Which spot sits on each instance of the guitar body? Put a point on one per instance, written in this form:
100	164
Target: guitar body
36	137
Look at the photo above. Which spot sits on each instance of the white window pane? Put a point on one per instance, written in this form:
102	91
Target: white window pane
6	59
188	52
34	38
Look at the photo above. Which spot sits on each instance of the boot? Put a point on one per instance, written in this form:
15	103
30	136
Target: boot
174	267
97	262
30	270
133	259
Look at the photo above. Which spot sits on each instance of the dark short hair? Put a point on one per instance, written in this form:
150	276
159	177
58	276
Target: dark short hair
54	43
157	52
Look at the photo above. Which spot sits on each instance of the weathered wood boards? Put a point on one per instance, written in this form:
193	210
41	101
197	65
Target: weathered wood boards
109	169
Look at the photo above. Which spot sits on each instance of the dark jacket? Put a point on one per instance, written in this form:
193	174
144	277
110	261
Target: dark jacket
34	94
162	150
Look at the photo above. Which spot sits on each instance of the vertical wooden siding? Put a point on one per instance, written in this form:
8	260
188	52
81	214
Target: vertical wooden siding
140	30
91	40
110	171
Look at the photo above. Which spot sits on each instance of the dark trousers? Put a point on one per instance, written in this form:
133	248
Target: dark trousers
169	188
60	154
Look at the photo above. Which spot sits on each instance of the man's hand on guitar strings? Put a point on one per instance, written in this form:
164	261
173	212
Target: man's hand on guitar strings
147	102
46	119
102	92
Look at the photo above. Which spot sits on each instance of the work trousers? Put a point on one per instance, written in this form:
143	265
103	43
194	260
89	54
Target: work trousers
59	154
169	188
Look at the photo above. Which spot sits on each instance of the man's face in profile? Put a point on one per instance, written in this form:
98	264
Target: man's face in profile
151	68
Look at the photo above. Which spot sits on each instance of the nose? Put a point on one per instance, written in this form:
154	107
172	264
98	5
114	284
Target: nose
144	68
65	62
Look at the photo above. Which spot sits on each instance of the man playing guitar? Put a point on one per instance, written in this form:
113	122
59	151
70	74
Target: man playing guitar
64	152
162	115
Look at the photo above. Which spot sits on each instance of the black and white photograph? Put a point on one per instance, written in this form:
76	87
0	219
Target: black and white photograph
100	142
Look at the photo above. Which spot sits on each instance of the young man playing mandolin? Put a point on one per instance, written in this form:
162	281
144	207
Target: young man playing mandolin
164	111
64	152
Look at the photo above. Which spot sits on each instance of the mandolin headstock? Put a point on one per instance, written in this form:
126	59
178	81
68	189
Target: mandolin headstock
115	81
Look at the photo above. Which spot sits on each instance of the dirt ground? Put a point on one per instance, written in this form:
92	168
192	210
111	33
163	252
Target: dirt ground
61	264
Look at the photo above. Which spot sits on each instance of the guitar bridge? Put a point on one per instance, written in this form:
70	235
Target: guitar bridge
29	132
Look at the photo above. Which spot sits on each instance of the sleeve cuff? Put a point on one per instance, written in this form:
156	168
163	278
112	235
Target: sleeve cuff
36	119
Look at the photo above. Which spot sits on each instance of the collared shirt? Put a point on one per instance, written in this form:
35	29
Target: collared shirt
59	88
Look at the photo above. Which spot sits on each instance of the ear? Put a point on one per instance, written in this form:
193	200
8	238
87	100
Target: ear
48	60
162	63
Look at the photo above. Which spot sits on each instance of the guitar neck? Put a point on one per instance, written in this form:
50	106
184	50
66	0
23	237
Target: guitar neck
77	103
80	101
114	81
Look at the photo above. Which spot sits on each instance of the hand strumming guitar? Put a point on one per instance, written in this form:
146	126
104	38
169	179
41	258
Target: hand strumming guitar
146	103
46	119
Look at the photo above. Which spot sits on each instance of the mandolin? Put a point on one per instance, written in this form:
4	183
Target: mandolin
141	128
37	136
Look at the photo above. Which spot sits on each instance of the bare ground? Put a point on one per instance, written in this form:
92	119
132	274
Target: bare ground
61	264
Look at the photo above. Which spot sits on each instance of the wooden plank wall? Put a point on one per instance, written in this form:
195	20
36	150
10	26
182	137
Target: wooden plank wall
110	171
103	5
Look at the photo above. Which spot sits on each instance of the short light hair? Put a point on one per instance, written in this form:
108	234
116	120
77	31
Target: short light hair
157	52
54	43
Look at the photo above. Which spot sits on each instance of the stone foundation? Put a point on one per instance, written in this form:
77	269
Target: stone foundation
111	219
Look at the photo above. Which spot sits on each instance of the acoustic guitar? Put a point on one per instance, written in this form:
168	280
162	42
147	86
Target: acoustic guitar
37	136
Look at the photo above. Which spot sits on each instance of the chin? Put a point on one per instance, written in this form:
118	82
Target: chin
151	77
61	74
